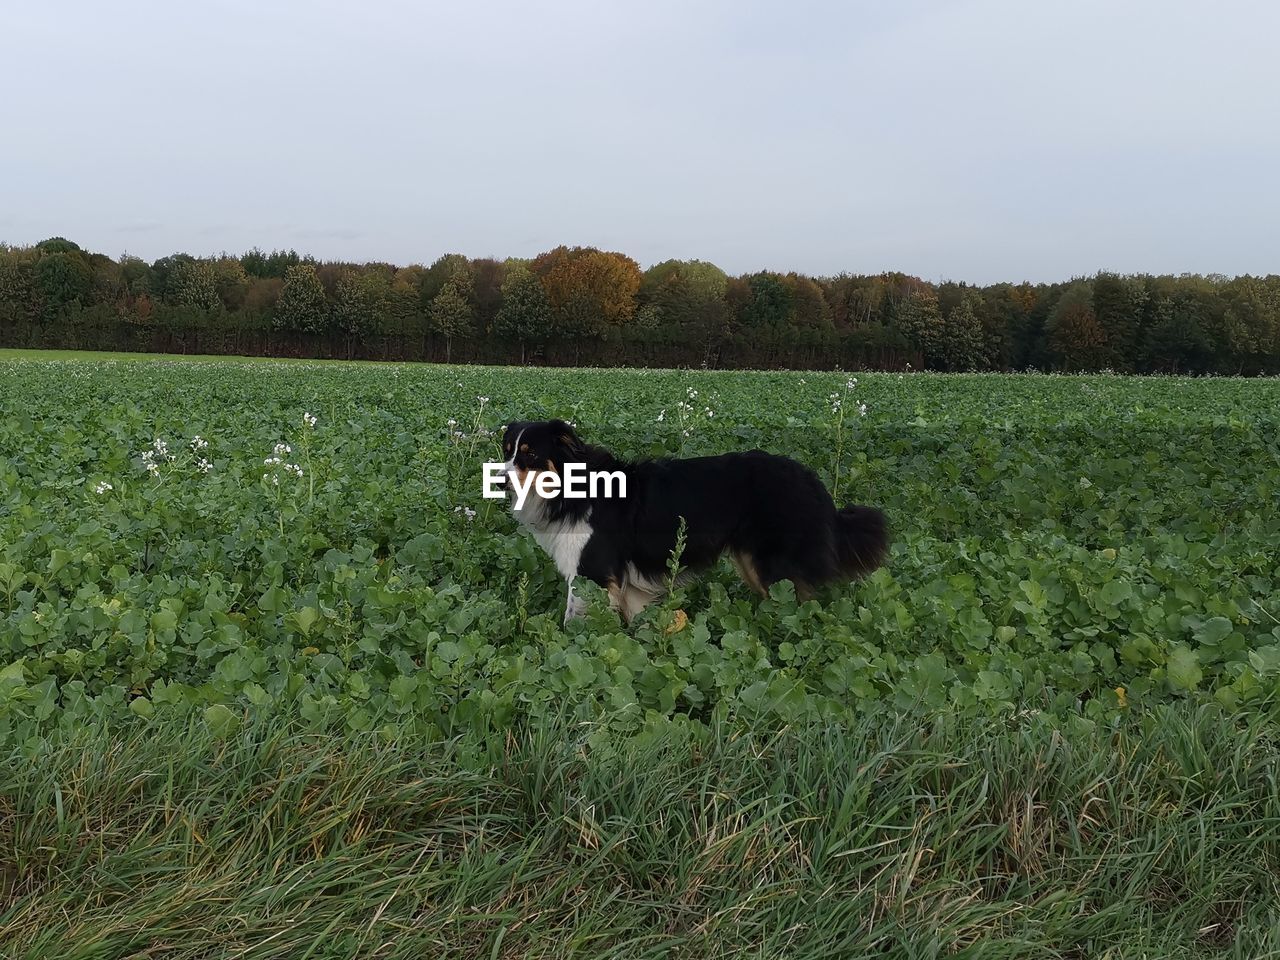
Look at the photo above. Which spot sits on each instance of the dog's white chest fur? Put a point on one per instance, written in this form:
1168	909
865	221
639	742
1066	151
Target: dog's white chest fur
564	542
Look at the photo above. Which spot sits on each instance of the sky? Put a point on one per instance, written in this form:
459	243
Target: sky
976	140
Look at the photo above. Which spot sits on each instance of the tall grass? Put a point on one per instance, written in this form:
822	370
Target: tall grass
901	839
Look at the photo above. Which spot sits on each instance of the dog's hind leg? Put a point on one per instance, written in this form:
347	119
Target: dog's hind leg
637	598
629	598
760	580
617	596
746	567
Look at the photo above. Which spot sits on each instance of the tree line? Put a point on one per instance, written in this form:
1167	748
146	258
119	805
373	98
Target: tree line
584	305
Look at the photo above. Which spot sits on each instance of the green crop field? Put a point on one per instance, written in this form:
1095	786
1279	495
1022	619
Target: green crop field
1055	539
219	547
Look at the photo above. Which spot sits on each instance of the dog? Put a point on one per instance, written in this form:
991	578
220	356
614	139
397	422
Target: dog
771	514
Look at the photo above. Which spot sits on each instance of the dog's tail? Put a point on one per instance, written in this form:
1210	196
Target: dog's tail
862	540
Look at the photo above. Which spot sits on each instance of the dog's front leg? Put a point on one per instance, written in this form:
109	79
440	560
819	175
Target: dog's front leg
573	606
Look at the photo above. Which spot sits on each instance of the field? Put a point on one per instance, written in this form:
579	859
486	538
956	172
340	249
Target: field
1086	562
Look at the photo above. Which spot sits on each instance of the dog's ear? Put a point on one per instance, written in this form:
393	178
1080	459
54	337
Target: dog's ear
566	436
510	430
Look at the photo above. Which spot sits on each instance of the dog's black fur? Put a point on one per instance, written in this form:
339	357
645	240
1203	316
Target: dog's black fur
771	514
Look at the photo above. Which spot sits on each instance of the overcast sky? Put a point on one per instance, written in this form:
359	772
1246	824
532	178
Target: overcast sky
975	140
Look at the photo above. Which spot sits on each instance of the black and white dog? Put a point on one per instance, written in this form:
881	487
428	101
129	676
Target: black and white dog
773	516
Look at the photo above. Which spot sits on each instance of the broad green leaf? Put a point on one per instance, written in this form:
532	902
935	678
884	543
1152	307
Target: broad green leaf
1183	668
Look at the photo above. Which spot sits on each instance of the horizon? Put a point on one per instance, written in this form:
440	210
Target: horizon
307	256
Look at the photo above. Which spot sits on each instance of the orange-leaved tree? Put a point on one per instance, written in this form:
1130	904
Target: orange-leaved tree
588	289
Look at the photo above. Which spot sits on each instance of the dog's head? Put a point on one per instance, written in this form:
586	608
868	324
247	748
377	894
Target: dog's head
533	446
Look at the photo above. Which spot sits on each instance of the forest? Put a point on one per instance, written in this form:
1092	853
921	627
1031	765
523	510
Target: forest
585	306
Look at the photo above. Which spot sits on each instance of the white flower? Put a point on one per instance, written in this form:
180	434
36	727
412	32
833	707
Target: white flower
153	469
282	448
102	487
203	465
309	420
159	452
483	399
851	383
294	469
452	422
662	416
862	409
465	511
199	443
271	461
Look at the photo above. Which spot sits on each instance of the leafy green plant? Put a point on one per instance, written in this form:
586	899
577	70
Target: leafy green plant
1086	546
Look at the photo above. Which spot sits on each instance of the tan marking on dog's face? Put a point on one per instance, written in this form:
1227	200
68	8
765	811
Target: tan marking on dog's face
524	448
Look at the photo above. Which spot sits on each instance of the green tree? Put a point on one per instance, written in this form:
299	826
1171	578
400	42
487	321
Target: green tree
688	297
451	312
231	282
1176	336
808	306
1118	303
1251	322
962	344
406	314
137	275
361	305
58	245
679	287
918	317
440	273
1005	313
273	265
525	314
1077	340
768	302
162	274
302	305
20	299
487	277
192	284
63	279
